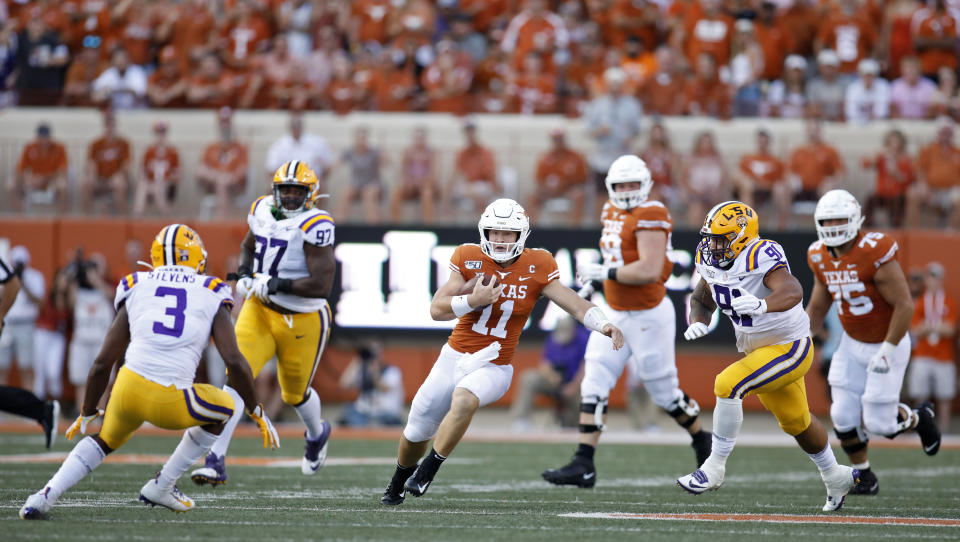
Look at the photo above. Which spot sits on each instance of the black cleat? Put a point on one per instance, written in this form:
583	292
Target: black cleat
418	482
393	495
702	443
579	472
927	429
867	485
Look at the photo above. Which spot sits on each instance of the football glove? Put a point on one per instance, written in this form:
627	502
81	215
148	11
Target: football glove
880	362
81	423
695	331
270	438
245	286
748	305
261	286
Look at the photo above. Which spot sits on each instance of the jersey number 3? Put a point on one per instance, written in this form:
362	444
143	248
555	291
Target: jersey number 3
177	311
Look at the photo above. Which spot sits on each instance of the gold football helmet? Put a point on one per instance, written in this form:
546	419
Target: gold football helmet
178	244
295	173
728	229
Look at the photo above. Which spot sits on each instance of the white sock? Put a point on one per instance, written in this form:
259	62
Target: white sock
861	466
193	446
727	418
85	456
824	458
223	440
309	412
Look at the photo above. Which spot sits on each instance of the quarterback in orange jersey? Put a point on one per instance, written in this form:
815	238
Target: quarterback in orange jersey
473	368
859	271
634	244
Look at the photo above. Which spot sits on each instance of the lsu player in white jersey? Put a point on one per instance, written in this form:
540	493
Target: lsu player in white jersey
165	317
749	279
285	273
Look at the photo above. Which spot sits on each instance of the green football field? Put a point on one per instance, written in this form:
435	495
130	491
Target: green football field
485	491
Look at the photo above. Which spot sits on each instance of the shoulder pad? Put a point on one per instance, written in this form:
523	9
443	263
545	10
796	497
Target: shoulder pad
257	203
316	218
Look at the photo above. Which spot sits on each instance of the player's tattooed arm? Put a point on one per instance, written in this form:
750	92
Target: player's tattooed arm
820	301
893	287
785	292
112	351
702	304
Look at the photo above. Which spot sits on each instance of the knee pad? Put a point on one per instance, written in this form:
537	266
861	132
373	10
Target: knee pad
596	406
888	419
684	406
845	409
856	433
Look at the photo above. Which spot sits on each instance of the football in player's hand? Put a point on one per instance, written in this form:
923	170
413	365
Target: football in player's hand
467	288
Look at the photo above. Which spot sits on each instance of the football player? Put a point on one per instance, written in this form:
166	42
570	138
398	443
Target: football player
634	245
165	317
285	273
859	271
473	368
749	279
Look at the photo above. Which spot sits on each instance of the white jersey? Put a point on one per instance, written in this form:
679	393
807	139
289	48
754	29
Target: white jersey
279	250
92	316
746	275
171	312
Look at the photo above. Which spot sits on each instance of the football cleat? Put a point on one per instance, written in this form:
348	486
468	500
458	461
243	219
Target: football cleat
418	482
51	416
839	480
702	444
214	471
579	472
868	484
153	494
927	429
316	451
394	494
702	479
37	505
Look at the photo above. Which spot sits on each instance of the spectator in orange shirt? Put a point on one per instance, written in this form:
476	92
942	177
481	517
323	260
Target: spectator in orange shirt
166	86
933	369
446	82
935	39
107	174
160	174
536	28
638	63
801	20
83	71
848	32
368	21
664	165
662	93
474	172
760	180
276	76
561	173
222	172
245	34
532	90
709	33
937	186
894	175
190	28
396	87
704	178
774	38
705	93
341	93
42	169
211	86
418	178
815	168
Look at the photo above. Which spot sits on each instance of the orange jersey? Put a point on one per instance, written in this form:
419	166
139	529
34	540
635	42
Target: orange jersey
523	280
618	244
864	313
161	162
43	160
109	156
935	308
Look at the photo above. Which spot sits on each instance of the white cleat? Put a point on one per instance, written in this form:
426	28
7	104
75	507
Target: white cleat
839	480
703	479
153	494
37	505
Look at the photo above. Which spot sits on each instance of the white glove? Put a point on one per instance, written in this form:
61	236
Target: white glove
270	438
695	331
880	362
471	362
261	286
748	305
591	271
245	286
81	423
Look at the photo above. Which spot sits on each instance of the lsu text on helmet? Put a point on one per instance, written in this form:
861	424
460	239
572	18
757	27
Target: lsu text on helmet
503	214
728	228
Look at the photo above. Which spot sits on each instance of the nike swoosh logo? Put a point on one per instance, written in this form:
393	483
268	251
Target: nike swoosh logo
423	487
589	476
928	448
521	279
299	336
695	485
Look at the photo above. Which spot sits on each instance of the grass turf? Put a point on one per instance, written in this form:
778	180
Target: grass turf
487	491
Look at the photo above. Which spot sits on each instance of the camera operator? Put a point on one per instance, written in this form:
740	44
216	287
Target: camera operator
380	387
90	296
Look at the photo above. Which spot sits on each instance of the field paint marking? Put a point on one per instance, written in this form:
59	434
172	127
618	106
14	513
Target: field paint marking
775	518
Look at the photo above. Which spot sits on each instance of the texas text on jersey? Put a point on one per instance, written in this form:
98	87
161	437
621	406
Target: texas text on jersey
522	280
864	313
279	247
618	245
747	274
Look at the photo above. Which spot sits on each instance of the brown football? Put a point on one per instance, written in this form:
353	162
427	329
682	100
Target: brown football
469	285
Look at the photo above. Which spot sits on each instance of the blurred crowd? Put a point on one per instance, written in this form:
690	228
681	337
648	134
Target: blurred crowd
838	59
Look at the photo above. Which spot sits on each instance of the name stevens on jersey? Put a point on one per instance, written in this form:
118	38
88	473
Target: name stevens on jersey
172	277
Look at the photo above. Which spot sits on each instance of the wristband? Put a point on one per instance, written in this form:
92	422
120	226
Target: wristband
284	285
612	273
595	319
460	305
244	271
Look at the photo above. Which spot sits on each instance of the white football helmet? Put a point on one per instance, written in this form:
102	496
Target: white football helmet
838	204
504	214
629	169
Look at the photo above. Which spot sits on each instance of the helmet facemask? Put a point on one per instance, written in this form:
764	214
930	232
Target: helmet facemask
628	199
837	205
290	198
717	248
503	215
501	251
